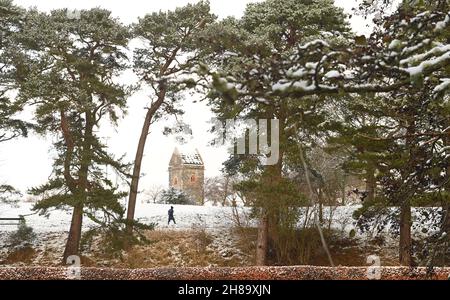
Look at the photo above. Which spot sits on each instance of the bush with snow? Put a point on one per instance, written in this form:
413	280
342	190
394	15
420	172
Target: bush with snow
23	236
175	196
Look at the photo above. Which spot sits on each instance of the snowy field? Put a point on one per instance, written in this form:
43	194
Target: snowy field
218	222
187	217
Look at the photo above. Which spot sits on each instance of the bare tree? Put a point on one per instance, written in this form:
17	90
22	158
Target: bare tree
153	194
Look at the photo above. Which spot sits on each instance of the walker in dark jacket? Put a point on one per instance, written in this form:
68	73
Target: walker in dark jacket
171	218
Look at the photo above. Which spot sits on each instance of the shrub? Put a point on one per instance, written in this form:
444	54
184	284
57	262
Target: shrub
23	235
174	196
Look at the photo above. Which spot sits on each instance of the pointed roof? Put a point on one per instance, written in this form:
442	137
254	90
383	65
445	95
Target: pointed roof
186	157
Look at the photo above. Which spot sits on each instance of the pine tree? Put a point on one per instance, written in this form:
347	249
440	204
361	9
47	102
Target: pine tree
402	135
165	64
268	31
405	52
10	126
73	65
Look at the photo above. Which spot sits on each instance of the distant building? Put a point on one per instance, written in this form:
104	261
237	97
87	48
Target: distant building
187	173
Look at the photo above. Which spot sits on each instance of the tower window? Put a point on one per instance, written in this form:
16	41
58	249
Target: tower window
193	178
175	181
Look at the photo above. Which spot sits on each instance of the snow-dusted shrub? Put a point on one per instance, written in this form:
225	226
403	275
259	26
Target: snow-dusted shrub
24	235
112	238
175	196
9	195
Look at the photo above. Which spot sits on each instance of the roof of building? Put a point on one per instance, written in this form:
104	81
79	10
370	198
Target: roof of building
188	157
191	159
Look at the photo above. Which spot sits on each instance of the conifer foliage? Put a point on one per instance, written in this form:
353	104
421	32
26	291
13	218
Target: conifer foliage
73	64
378	105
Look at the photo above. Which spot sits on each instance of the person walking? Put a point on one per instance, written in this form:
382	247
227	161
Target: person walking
171	217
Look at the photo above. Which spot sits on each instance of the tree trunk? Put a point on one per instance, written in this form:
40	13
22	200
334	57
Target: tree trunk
262	242
344	182
320	206
73	241
225	192
267	221
405	235
370	183
446	218
134	186
74	237
405	245
446	205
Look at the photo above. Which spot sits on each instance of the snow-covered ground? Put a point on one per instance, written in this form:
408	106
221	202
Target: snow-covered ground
218	222
186	216
51	230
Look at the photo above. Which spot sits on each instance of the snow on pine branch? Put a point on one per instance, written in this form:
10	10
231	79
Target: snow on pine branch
404	51
410	55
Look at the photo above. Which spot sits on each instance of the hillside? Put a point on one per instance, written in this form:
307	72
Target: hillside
203	236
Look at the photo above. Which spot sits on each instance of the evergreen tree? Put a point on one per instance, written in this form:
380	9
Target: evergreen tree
406	51
402	136
268	31
73	68
10	23
165	64
174	196
10	52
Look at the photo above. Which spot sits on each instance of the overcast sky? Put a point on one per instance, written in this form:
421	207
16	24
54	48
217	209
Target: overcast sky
25	163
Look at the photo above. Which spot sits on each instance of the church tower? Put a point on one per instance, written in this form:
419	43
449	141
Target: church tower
187	173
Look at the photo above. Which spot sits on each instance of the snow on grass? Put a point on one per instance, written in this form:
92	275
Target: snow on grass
217	223
187	217
58	221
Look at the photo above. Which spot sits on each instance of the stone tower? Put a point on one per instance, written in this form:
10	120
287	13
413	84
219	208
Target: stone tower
187	173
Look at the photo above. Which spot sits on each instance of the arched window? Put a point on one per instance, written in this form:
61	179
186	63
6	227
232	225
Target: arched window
193	178
175	181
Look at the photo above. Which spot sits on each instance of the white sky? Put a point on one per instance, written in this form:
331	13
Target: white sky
25	163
